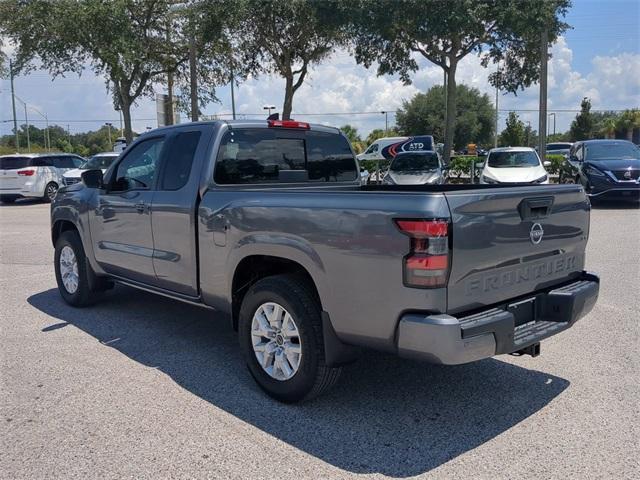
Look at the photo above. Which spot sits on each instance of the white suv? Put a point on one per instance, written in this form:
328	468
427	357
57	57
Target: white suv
34	175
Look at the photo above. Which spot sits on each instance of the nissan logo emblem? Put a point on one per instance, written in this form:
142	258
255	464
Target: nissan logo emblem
536	233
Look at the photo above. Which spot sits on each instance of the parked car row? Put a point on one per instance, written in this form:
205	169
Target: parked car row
41	175
605	168
34	175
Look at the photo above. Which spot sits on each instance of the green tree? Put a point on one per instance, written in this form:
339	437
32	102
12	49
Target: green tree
506	31
582	127
628	121
123	40
424	114
514	134
377	133
351	133
288	37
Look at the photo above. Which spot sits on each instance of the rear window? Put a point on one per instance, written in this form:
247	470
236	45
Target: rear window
558	146
14	163
268	155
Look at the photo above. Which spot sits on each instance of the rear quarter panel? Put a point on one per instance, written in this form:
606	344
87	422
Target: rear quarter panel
346	240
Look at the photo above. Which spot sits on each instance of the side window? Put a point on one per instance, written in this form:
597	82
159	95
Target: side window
579	153
42	162
329	158
63	162
257	156
138	169
179	160
77	161
372	149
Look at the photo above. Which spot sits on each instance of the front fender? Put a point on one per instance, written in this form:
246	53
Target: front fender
74	204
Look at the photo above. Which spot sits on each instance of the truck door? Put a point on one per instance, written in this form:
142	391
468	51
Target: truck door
121	223
173	216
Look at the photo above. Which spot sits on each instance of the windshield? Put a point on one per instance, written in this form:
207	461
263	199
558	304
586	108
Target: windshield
612	151
513	159
101	162
14	163
415	163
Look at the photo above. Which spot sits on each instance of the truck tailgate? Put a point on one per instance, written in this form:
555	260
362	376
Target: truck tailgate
509	242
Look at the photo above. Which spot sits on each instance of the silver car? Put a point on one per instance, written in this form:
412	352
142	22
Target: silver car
34	175
416	168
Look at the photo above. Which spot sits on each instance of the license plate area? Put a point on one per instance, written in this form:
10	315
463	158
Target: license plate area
524	312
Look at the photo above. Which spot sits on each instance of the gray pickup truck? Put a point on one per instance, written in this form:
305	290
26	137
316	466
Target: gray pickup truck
266	224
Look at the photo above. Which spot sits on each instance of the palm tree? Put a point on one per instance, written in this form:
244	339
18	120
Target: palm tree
628	121
609	127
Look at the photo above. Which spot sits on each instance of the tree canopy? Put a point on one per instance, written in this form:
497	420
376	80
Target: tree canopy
506	31
514	134
288	37
424	114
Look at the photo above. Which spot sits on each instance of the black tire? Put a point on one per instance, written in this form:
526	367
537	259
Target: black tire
7	198
50	192
296	296
89	285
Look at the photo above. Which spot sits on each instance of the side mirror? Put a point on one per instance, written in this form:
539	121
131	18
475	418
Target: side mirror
92	178
479	165
546	163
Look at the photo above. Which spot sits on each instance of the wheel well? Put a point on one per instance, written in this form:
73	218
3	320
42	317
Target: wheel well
59	227
256	267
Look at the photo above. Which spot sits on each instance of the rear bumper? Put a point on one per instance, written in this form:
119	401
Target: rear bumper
25	191
507	328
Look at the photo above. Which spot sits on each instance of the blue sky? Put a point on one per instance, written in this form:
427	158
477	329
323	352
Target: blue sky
598	58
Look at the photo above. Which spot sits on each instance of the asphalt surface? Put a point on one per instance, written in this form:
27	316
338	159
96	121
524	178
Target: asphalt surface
141	386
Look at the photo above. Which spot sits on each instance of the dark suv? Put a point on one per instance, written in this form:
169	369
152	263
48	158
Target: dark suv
606	168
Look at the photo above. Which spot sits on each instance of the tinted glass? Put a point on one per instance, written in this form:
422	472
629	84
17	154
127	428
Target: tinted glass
611	151
513	159
263	156
257	156
99	161
138	169
42	162
14	163
63	162
329	158
179	160
415	163
558	146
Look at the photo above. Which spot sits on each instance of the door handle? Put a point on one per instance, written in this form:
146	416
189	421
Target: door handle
141	207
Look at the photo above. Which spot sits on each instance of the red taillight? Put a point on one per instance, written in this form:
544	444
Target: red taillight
288	124
26	173
427	264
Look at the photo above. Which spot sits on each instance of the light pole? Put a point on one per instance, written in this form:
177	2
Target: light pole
554	121
109	130
269	108
528	131
386	121
26	120
47	138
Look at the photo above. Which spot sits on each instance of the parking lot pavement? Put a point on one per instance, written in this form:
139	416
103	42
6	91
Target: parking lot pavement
140	386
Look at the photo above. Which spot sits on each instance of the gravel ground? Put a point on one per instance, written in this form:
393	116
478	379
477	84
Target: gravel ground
140	386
